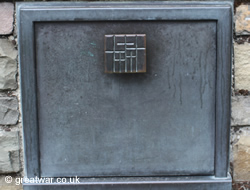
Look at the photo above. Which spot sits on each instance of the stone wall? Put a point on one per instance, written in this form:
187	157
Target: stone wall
240	121
10	123
10	120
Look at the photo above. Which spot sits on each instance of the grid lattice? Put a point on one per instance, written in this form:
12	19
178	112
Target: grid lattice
125	53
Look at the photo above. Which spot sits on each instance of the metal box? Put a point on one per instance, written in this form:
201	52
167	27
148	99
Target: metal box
126	95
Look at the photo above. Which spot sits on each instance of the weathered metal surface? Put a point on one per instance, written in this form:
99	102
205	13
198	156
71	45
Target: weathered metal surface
125	53
171	120
128	124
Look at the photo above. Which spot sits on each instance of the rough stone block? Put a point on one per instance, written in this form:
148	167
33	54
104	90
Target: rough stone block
9	152
8	65
7	49
242	20
8	110
242	185
240	111
13	185
242	66
241	157
6	18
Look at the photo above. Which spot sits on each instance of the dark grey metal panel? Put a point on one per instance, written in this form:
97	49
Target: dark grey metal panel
180	183
96	124
175	11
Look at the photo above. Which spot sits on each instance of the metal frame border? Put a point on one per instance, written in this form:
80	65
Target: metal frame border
146	183
29	13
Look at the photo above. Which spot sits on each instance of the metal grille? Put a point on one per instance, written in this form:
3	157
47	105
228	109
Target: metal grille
125	53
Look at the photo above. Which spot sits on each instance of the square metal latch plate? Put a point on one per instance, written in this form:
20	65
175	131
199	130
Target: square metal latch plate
125	53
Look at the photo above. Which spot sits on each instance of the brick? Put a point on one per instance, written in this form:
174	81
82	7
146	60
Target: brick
8	110
9	152
242	66
6	18
242	20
